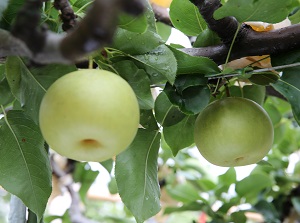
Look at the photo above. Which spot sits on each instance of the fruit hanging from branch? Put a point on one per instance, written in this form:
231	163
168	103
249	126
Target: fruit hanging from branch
84	118
233	132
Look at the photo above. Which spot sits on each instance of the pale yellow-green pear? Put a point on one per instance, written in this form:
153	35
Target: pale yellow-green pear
89	115
233	132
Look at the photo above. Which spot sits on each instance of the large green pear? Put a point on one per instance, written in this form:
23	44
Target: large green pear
233	132
89	115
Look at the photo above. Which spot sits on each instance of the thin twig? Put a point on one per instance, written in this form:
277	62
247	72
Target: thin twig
256	71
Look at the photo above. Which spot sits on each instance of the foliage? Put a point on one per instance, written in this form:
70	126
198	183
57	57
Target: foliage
160	168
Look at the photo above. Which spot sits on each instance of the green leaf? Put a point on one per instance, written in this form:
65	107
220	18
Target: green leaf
195	99
206	185
30	85
9	14
24	164
207	38
32	218
296	204
147	120
238	217
158	63
136	175
136	43
3	5
183	82
290	140
255	93
138	80
108	165
268	210
192	206
191	100
6	96
254	10
81	3
166	113
273	113
252	185
187	64
112	186
290	57
163	30
85	176
186	17
229	177
264	78
289	87
180	135
184	192
13	75
131	23
151	20
295	18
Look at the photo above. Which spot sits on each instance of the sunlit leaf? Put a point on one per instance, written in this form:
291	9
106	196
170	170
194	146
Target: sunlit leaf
136	175
24	164
254	10
131	23
185	17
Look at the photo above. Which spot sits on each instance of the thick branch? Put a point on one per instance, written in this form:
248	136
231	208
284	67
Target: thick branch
252	43
94	32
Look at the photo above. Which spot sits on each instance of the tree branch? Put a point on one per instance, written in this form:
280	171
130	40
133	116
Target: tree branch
247	43
94	32
67	14
252	43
